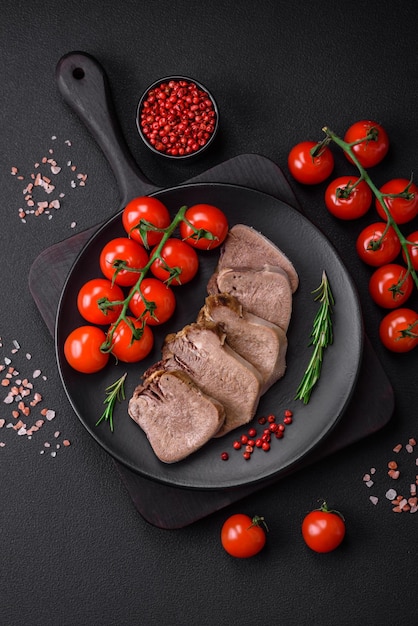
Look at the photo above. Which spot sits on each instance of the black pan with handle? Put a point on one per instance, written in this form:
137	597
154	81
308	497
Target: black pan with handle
84	86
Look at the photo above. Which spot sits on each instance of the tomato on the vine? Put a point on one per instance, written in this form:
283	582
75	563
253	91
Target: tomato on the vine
92	297
204	217
372	151
398	330
412	249
82	349
145	209
348	199
178	256
402	208
376	249
119	253
161	298
308	169
323	530
128	349
390	286
243	536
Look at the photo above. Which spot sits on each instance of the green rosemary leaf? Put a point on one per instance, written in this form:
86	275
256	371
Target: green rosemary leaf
322	336
114	393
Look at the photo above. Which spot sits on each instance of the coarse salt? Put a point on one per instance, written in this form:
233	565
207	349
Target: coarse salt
391	494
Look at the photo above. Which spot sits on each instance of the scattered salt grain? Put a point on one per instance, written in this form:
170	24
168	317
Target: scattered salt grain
374	500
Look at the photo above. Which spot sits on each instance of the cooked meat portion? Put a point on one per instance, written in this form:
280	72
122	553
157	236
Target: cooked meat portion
176	416
200	350
264	292
258	341
246	247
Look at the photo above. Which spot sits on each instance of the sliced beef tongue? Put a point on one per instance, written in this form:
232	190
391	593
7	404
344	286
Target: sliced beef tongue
258	341
265	292
246	247
176	416
201	351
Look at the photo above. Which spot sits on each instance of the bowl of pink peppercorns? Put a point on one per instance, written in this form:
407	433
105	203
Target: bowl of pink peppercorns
177	117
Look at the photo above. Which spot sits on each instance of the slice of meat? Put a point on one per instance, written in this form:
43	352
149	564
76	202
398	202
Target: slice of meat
200	350
176	416
258	341
265	292
246	247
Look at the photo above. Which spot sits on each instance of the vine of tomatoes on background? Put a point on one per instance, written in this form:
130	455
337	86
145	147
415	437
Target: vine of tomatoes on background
380	244
136	290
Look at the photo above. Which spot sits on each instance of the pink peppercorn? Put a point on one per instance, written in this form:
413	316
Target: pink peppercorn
177	117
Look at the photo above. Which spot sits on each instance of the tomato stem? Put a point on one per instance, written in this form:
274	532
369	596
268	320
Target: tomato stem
174	272
380	197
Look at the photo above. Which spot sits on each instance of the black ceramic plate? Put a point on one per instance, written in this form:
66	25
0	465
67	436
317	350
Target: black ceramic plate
311	253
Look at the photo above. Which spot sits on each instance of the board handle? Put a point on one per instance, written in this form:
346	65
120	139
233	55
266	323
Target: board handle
84	85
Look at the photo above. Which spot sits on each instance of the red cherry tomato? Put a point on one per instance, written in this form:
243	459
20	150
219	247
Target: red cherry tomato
307	169
160	297
242	536
374	149
130	350
91	301
347	200
122	252
82	349
179	256
145	209
208	218
402	209
398	330
323	530
375	249
413	250
390	286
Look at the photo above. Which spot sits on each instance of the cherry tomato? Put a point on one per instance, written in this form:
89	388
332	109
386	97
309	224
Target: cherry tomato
347	200
323	530
122	251
82	349
398	330
242	536
402	209
375	249
413	250
371	151
386	287
161	298
92	294
204	217
146	209
130	350
307	169
177	255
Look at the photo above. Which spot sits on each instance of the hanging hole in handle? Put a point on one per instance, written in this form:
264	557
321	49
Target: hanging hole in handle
78	73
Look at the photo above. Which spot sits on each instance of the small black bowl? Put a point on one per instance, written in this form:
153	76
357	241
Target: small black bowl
177	117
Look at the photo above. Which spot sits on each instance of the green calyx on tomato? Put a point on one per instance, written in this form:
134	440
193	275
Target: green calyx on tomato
398	330
323	529
390	285
243	536
311	162
348	199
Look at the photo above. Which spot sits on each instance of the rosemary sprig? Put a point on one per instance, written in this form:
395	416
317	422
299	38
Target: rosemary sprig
115	392
321	337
